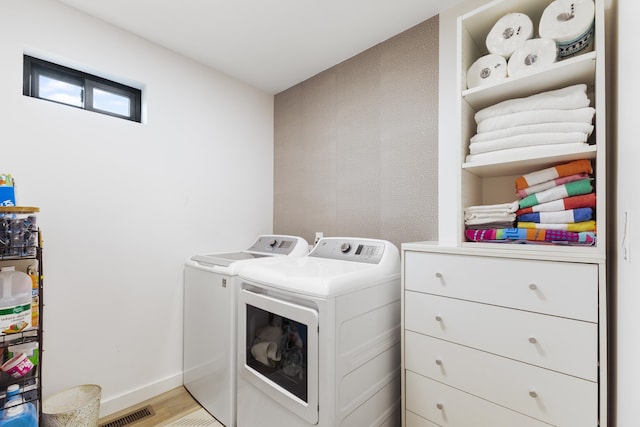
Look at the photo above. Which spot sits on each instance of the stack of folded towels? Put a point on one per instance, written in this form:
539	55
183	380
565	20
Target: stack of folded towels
491	216
524	126
554	205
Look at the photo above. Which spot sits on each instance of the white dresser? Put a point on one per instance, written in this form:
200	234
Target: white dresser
494	340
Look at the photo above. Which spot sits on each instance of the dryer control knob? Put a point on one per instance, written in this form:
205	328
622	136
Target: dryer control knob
345	247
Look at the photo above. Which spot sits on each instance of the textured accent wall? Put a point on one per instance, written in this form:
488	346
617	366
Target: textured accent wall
356	145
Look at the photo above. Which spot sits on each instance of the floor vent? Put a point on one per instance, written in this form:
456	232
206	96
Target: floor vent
131	417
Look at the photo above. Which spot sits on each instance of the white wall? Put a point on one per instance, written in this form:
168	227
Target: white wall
627	177
123	204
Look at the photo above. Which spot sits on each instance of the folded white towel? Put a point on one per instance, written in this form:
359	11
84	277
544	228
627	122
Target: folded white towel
567	98
527	140
512	154
506	121
475	219
501	207
534	128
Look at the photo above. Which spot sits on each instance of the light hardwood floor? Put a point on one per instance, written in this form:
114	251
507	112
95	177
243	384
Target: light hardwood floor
168	407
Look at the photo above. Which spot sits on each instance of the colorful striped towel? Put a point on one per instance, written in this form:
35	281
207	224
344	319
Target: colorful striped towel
550	184
558	217
574	202
575	227
571	168
528	234
575	188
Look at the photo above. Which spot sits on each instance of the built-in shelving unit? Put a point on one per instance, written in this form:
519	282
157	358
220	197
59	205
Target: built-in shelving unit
491	182
502	333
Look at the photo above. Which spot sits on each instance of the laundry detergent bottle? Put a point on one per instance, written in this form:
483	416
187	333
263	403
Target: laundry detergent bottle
17	412
15	300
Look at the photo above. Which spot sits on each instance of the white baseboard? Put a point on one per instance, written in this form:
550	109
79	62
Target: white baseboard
114	404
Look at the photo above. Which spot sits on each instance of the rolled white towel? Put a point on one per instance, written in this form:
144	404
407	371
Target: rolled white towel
567	98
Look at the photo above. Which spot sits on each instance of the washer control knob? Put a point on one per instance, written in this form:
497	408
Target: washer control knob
345	247
272	242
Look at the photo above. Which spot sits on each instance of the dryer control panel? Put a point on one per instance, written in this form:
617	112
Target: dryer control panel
350	249
278	245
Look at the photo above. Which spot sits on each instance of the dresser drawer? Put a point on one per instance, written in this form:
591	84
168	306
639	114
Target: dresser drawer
564	345
449	407
549	396
414	420
557	288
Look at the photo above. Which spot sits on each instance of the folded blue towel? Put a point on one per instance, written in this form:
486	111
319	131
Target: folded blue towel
558	217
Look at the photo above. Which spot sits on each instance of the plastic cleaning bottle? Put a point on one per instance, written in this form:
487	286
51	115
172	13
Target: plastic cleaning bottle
17	412
15	300
35	297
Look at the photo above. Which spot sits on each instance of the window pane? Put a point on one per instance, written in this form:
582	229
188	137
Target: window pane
57	90
110	102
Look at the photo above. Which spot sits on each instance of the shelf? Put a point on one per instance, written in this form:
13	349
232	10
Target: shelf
526	164
488	179
579	69
18	210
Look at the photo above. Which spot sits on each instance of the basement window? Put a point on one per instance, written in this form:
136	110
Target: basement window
56	83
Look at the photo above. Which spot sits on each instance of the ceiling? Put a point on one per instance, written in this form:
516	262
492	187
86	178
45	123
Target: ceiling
269	44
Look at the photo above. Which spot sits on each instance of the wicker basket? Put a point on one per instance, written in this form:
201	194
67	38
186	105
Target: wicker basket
75	407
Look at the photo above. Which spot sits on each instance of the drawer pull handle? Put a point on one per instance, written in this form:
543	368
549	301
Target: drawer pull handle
533	286
533	394
439	275
439	406
533	340
438	319
439	362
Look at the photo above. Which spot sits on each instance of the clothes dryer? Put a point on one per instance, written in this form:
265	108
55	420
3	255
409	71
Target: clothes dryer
319	337
210	313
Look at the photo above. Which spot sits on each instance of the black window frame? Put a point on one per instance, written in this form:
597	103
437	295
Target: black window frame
34	67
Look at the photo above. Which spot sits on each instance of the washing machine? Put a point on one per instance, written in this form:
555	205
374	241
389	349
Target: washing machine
210	313
319	337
